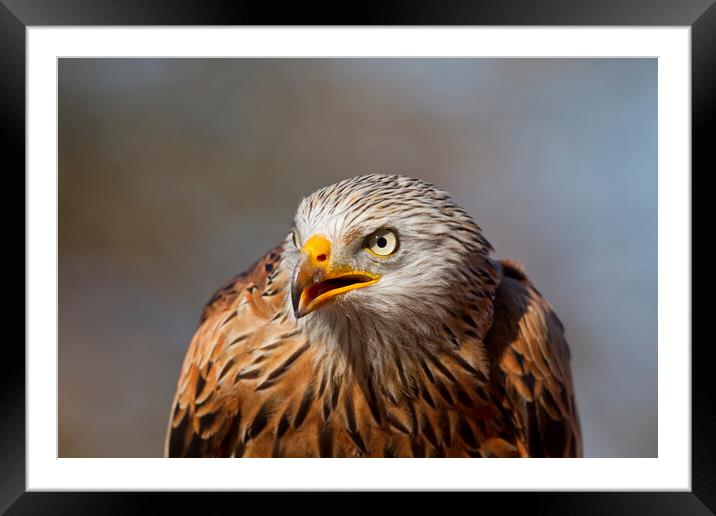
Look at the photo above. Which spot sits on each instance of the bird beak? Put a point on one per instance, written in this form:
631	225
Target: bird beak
317	279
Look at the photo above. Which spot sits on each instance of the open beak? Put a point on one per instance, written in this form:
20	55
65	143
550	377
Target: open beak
317	280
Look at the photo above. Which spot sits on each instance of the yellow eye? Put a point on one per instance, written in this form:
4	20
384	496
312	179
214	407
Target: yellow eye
383	242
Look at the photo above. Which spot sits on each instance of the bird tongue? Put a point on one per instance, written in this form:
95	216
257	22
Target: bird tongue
335	283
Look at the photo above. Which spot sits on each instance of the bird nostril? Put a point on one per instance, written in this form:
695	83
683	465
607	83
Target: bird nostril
321	257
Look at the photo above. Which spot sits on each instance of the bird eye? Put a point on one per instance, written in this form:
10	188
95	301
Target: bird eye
383	242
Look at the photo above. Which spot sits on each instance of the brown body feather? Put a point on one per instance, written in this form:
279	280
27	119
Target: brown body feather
253	385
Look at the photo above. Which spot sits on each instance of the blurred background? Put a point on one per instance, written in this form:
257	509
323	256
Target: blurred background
176	174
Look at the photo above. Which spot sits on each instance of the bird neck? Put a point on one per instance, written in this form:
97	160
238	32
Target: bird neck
392	346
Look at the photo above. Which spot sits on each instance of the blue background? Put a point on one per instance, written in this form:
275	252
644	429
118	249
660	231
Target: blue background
176	174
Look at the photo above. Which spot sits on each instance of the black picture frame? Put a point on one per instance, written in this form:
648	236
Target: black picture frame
17	15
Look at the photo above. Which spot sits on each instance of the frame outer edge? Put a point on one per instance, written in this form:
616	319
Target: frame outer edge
12	136
367	12
703	409
12	109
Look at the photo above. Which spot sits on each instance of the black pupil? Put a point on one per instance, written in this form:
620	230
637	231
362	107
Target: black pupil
381	242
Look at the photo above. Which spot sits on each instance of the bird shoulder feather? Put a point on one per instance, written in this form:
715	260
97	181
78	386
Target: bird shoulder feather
530	368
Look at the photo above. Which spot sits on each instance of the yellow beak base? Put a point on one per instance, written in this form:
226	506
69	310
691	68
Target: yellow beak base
317	281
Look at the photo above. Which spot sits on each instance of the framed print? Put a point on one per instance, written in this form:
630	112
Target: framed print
408	241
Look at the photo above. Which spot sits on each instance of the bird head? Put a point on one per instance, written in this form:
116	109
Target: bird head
382	245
